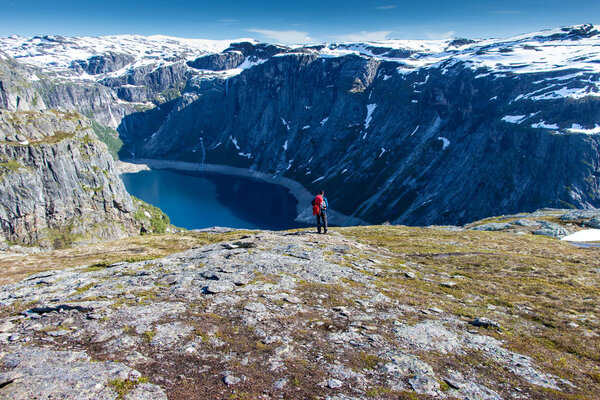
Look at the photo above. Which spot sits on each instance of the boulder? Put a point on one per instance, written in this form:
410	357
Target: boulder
552	230
492	226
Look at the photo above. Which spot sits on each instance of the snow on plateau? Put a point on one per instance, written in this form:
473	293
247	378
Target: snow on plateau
586	235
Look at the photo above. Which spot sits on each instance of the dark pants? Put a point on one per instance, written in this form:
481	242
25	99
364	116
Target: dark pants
322	216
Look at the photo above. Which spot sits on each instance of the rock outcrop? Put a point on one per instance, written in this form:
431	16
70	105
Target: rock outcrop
556	223
284	315
59	184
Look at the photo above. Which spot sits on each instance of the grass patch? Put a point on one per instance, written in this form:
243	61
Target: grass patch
100	255
152	218
110	137
124	386
534	287
8	166
58	136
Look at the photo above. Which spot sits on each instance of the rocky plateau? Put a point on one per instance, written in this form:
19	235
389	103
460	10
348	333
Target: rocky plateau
361	313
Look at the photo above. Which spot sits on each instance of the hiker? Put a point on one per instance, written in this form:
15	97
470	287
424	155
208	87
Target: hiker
319	209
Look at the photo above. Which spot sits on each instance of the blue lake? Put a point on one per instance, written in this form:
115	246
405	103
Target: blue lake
195	200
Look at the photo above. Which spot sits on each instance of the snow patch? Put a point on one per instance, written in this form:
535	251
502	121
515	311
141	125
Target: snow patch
305	127
563	93
544	125
576	128
234	141
370	109
383	150
445	141
284	122
324	121
285	145
58	53
514	119
586	235
319	179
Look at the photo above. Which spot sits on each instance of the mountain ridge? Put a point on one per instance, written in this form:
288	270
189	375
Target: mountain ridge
403	120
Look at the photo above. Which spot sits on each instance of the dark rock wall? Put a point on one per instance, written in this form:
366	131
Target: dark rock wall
308	117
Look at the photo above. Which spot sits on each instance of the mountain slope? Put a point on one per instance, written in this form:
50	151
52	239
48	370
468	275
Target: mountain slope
414	132
443	138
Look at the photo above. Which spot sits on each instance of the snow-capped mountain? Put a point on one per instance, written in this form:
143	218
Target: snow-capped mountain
58	53
409	131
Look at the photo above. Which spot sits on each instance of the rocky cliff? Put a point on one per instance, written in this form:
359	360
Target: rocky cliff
449	142
59	184
371	313
413	132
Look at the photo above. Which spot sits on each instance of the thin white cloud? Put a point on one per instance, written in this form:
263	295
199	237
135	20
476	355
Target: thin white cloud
390	7
363	36
440	36
288	37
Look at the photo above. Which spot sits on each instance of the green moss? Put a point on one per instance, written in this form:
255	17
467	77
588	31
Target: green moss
143	107
96	189
62	237
444	387
110	137
169	94
85	288
58	136
86	140
124	386
154	216
149	335
96	267
9	166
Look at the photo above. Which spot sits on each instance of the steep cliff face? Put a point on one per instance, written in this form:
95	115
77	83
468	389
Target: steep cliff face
59	184
16	89
449	143
414	132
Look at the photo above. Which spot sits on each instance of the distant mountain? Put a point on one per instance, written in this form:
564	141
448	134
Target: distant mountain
409	131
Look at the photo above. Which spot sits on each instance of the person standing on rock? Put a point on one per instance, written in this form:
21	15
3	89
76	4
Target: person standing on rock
320	210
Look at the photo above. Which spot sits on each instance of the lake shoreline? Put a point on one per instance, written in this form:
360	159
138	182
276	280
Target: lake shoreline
303	196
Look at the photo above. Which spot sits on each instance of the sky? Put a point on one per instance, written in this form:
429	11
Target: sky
294	21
